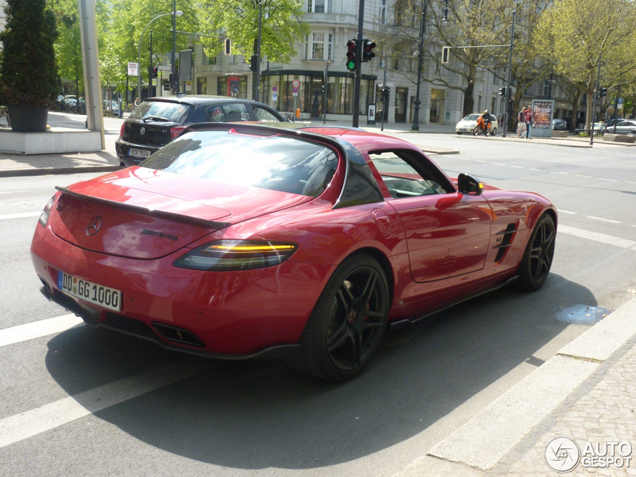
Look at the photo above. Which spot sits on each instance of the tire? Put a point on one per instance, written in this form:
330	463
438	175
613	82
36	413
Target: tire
494	132
537	258
476	131
348	321
459	134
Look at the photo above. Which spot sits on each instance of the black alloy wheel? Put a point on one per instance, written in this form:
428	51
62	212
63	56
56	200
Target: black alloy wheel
537	259
348	322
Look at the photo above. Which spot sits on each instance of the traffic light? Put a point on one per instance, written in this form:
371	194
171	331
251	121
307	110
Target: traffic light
228	47
386	93
155	71
322	89
367	53
445	54
352	53
602	92
253	62
502	91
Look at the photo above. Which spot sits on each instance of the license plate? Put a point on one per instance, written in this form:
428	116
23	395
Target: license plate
138	152
90	292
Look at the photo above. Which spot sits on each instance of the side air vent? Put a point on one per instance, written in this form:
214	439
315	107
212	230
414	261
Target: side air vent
178	335
504	243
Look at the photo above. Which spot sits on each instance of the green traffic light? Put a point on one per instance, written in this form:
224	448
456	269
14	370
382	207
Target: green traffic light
351	65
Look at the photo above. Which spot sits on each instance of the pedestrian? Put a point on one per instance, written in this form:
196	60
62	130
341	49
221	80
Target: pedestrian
529	121
521	122
136	102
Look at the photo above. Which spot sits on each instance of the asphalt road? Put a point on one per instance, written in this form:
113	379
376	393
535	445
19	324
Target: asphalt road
139	410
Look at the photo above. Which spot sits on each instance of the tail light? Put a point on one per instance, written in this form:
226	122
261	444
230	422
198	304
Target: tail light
121	131
44	216
230	255
175	131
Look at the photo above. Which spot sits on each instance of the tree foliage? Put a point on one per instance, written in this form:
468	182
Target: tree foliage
281	26
28	72
577	35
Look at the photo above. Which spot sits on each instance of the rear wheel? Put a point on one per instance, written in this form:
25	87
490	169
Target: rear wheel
494	132
348	322
537	259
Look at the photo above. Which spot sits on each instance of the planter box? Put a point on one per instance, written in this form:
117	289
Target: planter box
619	137
559	133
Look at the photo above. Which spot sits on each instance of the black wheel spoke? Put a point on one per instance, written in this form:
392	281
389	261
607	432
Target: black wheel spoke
356	347
339	337
371	314
365	297
345	296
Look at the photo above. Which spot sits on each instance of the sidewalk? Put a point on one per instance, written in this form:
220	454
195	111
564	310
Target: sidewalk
574	415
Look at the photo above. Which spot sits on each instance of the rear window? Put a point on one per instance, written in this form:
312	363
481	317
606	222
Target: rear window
270	162
162	110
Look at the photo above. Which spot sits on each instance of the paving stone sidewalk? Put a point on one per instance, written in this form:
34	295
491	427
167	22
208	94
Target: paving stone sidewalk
601	411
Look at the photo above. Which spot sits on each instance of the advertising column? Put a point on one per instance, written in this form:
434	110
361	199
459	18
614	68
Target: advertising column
542	112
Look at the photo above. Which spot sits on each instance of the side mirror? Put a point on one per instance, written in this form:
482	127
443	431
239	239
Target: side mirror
469	185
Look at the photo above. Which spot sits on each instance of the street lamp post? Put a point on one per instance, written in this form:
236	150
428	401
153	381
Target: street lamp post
416	115
178	13
509	80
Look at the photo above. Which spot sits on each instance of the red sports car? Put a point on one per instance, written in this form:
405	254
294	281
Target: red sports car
241	241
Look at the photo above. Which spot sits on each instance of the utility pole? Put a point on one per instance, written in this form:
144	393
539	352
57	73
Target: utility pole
358	77
598	83
512	45
175	83
149	70
257	87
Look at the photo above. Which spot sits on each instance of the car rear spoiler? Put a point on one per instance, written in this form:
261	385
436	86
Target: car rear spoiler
186	219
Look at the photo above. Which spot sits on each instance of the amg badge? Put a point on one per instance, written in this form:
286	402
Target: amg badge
160	234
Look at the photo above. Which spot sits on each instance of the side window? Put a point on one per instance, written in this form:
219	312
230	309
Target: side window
215	114
236	112
402	179
263	114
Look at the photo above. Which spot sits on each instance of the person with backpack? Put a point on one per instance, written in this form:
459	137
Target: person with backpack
521	123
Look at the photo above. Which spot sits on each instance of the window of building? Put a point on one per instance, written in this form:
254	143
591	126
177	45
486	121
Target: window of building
383	13
546	88
319	6
319	46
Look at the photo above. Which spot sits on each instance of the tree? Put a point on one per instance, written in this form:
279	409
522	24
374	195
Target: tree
577	35
68	46
471	23
28	73
281	27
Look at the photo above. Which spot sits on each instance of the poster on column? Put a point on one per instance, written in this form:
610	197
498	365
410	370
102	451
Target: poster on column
542	112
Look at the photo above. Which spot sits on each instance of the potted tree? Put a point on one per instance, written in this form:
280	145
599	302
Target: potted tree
28	71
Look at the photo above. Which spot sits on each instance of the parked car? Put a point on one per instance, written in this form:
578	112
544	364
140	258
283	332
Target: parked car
245	240
112	106
72	104
469	124
626	126
157	121
559	124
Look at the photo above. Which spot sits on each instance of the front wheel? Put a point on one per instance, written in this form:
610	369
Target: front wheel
348	322
537	259
476	131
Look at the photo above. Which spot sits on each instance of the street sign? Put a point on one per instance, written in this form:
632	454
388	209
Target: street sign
164	68
620	103
296	84
133	69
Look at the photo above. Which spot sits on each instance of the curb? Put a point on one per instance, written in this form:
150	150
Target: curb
479	444
57	170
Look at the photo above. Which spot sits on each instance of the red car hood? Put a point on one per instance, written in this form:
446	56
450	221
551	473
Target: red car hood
144	213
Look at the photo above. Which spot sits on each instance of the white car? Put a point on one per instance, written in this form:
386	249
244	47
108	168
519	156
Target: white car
469	124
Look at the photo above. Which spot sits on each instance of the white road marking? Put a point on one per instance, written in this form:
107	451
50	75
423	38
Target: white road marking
597	237
561	211
608	180
38	329
537	170
30	423
12	192
498	164
581	175
21	216
604	220
630	182
518	167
